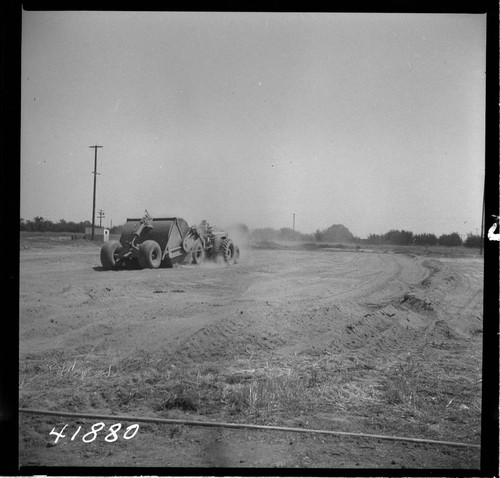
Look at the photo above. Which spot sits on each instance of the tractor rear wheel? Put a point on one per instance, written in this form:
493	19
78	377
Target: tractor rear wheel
227	251
198	253
149	255
109	254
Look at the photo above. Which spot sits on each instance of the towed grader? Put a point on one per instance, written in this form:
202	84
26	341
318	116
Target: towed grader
149	243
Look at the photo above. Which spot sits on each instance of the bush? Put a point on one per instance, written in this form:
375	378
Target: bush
400	238
335	233
374	239
473	241
451	240
425	240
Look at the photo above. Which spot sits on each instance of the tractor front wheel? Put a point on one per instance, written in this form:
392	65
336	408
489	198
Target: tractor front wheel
198	253
109	254
149	255
216	247
227	251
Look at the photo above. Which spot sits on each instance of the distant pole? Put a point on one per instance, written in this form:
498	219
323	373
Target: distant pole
482	225
294	221
100	216
95	177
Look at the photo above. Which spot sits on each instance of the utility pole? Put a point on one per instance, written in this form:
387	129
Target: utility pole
100	216
294	222
95	173
482	222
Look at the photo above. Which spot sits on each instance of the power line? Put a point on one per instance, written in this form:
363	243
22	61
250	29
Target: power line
95	173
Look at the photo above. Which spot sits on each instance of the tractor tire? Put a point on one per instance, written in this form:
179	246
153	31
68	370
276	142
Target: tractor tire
149	255
217	246
227	251
236	254
198	253
109	254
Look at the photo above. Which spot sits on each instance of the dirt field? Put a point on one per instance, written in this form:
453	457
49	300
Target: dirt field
371	342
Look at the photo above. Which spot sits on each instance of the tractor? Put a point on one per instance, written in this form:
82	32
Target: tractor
149	243
207	244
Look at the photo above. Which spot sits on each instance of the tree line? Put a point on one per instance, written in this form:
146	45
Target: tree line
402	238
39	224
337	233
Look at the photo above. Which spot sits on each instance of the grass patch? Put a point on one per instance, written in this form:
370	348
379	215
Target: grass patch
54	367
402	385
434	395
251	388
408	396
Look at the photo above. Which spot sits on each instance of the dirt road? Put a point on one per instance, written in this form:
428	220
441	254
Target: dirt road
359	341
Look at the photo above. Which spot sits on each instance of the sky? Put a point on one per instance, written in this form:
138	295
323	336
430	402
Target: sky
373	121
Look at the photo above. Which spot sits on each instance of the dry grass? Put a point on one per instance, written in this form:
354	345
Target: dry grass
401	387
79	369
265	390
53	367
253	390
247	387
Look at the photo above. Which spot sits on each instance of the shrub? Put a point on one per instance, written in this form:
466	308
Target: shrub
399	238
473	240
335	233
425	240
374	239
451	240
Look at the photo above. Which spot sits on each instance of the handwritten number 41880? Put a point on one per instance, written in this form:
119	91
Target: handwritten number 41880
111	436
